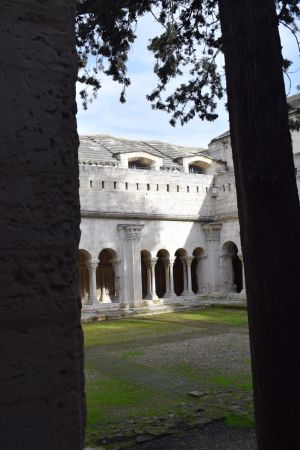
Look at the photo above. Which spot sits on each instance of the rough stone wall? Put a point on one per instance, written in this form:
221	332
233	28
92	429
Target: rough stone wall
41	381
226	202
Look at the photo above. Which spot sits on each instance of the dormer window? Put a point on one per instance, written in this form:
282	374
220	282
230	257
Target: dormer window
139	163
197	164
195	168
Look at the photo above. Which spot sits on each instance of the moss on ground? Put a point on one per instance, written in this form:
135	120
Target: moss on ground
128	396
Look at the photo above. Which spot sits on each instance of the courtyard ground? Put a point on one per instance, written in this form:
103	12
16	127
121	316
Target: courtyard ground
164	375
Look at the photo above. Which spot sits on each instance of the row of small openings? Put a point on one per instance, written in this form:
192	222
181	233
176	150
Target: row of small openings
228	185
148	186
91	184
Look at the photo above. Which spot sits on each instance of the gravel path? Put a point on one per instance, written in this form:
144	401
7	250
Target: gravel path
222	351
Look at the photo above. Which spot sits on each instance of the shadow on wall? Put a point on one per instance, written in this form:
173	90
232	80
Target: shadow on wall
232	268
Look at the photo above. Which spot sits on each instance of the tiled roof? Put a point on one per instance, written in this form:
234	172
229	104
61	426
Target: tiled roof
104	149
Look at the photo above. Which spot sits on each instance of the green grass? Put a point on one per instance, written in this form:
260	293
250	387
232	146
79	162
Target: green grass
240	421
128	395
128	330
242	381
133	353
113	392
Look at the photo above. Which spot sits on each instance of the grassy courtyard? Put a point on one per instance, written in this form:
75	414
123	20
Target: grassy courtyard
151	376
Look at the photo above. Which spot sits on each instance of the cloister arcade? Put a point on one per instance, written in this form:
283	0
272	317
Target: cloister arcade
163	276
232	268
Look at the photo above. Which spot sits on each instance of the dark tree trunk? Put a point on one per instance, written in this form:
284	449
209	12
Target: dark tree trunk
269	214
41	381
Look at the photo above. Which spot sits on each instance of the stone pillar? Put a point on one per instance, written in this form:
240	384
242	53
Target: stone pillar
92	267
185	278
172	292
116	265
153	282
189	260
105	295
212	236
148	274
130	236
188	263
166	262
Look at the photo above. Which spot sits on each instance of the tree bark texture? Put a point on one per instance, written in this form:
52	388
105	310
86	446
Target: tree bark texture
268	207
41	380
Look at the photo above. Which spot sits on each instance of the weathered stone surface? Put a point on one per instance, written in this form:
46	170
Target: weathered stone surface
41	377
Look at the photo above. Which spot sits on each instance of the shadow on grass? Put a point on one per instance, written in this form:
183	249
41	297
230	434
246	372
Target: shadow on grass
129	395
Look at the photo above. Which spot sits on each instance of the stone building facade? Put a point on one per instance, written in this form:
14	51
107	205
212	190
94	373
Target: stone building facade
159	223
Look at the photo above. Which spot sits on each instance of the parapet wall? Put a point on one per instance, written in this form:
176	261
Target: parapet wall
110	189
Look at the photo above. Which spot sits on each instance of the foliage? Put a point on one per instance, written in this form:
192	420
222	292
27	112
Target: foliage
189	43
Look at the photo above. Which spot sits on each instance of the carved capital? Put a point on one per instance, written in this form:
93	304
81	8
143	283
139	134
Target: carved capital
212	231
115	261
133	232
187	259
92	264
153	261
201	257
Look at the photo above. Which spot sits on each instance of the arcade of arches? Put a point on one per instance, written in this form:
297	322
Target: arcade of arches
163	276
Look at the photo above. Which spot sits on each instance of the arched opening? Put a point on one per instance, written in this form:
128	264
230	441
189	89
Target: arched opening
198	167
193	168
140	163
180	272
232	268
105	276
197	271
84	276
162	273
146	274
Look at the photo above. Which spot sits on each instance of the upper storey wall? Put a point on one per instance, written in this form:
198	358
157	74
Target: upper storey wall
148	192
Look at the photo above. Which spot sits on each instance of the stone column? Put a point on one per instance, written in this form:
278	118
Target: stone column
116	265
187	263
130	236
172	292
189	260
212	236
148	275
185	277
153	282
92	267
104	297
166	262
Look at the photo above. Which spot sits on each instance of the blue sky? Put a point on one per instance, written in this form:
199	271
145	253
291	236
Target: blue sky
136	120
